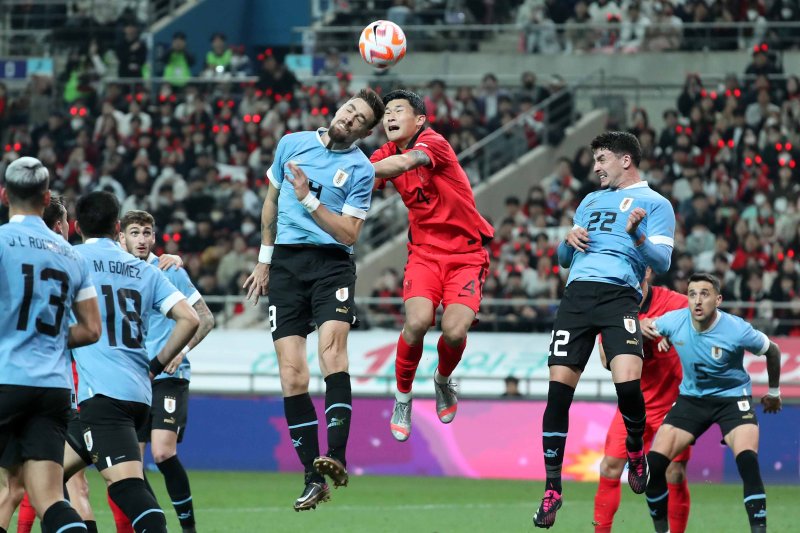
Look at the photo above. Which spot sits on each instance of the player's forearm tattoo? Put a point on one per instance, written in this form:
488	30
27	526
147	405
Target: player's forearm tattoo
420	158
206	323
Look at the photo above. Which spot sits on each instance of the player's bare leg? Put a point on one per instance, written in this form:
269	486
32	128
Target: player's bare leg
78	490
301	417
555	424
456	322
338	400
44	483
626	372
11	494
669	442
743	442
419	318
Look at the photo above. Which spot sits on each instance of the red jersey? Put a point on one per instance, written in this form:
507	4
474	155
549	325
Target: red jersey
441	207
655	385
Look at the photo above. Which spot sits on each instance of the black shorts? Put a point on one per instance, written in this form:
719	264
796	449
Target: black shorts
170	408
75	437
590	308
696	415
109	429
33	424
308	286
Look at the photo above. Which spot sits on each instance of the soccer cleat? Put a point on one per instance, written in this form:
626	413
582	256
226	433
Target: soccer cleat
401	420
446	401
315	492
638	471
546	515
333	468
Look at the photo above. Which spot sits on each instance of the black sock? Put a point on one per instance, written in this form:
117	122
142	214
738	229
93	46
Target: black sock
178	488
338	411
755	499
555	424
303	425
657	493
91	526
131	495
61	517
631	406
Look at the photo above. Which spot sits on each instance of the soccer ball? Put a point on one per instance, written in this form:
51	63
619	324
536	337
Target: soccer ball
382	44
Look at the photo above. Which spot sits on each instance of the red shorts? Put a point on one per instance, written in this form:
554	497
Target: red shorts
615	440
445	278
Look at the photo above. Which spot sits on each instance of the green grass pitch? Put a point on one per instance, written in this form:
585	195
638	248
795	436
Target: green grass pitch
261	502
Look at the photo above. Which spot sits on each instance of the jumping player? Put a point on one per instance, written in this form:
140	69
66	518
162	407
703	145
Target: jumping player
447	262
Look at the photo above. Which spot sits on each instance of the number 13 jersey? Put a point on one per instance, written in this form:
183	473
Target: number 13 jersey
612	256
128	291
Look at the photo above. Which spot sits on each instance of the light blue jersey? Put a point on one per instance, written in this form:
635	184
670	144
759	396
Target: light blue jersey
160	327
613	256
712	361
341	179
129	292
41	276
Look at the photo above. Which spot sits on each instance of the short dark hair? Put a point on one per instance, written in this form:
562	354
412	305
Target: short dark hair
414	100
135	216
97	214
54	212
709	278
620	143
374	102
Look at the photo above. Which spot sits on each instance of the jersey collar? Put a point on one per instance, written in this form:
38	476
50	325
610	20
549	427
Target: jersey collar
639	185
29	219
152	258
102	240
413	140
712	326
320	131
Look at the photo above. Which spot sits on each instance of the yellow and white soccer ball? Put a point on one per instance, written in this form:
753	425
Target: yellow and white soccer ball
382	44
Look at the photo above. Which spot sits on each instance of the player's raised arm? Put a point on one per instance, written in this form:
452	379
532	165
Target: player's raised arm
394	165
344	228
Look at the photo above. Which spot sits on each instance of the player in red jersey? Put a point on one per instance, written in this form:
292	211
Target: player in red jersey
447	262
661	376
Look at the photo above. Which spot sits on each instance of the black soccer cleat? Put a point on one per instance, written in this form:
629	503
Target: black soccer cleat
545	517
315	492
333	468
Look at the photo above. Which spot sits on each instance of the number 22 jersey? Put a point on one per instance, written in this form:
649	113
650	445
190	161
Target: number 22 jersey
129	291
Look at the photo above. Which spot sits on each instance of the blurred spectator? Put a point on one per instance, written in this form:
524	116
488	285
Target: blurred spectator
580	36
177	61
634	29
512	388
530	89
131	52
666	31
218	59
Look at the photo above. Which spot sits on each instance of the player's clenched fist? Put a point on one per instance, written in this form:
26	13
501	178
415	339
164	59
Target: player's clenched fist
257	283
578	238
634	219
299	180
772	404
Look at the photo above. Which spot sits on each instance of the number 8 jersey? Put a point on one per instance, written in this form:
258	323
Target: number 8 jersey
612	256
129	290
41	276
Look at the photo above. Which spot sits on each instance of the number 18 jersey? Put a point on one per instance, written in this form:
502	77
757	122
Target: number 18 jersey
41	276
129	291
612	256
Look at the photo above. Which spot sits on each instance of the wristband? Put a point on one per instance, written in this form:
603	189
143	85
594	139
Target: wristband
265	254
156	366
185	351
310	202
774	392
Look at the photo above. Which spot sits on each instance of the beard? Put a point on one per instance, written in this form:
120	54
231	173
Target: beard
337	134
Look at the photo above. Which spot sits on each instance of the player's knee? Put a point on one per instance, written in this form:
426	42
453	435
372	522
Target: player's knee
416	326
16	492
162	453
676	473
454	333
611	467
294	380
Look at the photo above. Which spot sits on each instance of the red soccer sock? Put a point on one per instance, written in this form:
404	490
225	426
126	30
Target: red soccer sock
606	503
122	522
678	506
406	363
26	516
449	356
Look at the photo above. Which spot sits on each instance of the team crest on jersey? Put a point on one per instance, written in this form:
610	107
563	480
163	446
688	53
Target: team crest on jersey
340	177
169	404
626	204
342	294
630	324
87	438
716	353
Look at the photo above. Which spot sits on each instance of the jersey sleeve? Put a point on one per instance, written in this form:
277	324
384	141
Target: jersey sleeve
381	153
358	199
187	288
165	294
661	224
667	324
751	339
86	288
433	145
275	171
